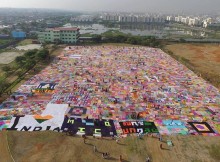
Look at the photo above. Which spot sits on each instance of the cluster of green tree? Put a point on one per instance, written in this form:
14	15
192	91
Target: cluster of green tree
3	86
22	65
30	58
5	31
118	37
4	41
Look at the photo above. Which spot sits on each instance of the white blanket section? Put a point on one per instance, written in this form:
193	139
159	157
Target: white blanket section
29	123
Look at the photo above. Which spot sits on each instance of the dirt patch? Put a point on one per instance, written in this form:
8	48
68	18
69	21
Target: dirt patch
216	53
25	42
204	57
8	57
51	146
29	47
4	152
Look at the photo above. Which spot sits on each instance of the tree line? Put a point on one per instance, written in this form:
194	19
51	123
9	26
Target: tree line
118	37
21	66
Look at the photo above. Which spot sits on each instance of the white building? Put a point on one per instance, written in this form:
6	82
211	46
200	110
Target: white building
131	18
170	18
110	17
178	19
82	18
206	22
194	22
185	20
140	19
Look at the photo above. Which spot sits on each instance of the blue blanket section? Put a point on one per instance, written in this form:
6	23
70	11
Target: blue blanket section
174	124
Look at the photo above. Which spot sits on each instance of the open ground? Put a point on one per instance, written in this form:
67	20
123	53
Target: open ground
8	57
51	146
204	59
29	47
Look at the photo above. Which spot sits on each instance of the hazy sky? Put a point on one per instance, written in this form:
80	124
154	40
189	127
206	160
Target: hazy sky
119	5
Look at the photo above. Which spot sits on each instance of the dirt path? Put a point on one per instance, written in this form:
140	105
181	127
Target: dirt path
4	152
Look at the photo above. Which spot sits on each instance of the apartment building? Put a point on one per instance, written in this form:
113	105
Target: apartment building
110	17
178	18
191	21
61	34
194	22
206	22
185	20
133	18
83	18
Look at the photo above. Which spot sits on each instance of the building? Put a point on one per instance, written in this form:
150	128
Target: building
18	34
53	24
141	19
194	22
132	18
178	18
4	36
83	18
185	20
110	17
60	35
207	22
170	18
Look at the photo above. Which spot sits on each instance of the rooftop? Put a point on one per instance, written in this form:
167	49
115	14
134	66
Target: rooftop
64	29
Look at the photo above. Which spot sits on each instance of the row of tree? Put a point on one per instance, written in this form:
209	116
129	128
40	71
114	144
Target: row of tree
30	58
22	65
150	41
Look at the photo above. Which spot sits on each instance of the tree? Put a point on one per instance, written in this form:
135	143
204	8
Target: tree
145	42
3	86
5	31
31	53
120	38
6	68
42	54
29	64
154	43
132	40
20	60
97	38
182	40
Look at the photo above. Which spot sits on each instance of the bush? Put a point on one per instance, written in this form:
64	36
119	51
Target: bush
42	54
3	86
20	60
6	68
113	36
31	53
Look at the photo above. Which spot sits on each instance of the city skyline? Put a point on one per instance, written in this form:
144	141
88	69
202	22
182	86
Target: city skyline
174	6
